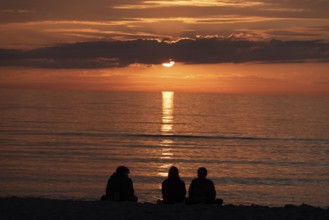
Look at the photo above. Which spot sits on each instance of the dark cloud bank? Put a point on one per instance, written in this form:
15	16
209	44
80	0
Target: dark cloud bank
191	51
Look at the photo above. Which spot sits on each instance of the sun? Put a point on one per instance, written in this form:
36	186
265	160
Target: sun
168	64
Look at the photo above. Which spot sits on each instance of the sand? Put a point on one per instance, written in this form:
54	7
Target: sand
39	208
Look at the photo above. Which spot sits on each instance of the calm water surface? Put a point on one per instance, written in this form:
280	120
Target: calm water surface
258	149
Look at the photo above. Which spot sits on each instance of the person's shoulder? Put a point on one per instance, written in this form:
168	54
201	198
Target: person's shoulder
113	176
208	181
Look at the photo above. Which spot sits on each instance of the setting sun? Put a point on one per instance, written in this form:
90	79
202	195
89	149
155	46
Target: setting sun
169	64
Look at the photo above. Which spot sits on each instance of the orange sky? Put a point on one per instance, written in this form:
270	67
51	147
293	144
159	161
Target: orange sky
310	78
224	46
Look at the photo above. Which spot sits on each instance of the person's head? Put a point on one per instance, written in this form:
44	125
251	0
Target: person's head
202	172
122	170
173	172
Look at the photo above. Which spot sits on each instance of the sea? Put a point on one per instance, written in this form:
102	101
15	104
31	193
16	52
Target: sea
258	149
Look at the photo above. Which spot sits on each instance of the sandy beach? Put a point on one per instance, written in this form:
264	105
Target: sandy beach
39	208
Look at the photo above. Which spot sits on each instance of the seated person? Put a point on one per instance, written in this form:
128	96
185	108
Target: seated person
120	186
173	188
202	190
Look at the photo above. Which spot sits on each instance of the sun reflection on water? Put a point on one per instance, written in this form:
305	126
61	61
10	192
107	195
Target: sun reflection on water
167	129
167	112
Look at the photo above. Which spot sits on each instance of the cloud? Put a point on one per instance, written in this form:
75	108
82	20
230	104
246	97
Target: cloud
108	54
35	23
103	10
195	3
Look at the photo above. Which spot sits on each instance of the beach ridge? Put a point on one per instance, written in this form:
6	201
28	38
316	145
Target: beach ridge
43	208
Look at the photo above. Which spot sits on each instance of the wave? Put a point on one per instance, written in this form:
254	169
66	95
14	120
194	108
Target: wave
166	136
271	181
245	181
216	137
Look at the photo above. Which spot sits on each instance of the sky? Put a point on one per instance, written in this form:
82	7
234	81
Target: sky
228	46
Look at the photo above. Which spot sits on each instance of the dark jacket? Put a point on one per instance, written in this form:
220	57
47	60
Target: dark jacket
202	191
120	188
173	190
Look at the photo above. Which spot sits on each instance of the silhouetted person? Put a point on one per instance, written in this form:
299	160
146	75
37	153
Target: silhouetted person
120	186
173	188
202	190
